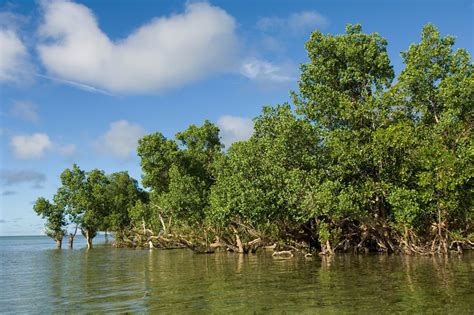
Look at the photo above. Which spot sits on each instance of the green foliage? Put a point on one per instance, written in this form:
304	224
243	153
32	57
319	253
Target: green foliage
437	89
263	180
143	212
341	92
71	194
95	200
157	155
343	73
55	218
122	193
92	201
180	172
364	151
405	206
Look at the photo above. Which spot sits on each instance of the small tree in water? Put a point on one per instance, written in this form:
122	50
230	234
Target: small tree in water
84	194
56	221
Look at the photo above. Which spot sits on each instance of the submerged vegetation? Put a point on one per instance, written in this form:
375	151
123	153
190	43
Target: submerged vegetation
362	161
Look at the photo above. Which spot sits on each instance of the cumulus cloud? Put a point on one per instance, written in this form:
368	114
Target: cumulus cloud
234	129
36	145
14	63
295	22
262	70
31	146
164	53
120	140
25	110
15	177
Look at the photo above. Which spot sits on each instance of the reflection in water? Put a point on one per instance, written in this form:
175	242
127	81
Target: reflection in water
178	281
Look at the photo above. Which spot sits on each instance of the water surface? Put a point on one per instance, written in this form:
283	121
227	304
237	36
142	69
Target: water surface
37	278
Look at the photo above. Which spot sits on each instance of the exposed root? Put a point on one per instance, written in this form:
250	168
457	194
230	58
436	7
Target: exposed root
375	236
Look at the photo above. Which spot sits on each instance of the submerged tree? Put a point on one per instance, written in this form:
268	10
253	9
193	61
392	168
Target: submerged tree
55	219
95	204
69	195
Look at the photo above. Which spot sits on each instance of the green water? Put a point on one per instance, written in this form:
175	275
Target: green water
36	278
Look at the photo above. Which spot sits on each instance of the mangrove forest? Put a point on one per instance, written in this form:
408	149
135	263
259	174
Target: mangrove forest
361	160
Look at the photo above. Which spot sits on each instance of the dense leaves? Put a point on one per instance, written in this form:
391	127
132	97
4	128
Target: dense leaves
263	180
179	172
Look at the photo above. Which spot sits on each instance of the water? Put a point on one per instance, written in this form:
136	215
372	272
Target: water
36	278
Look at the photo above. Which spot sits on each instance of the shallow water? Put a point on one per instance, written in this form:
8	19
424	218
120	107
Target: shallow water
36	278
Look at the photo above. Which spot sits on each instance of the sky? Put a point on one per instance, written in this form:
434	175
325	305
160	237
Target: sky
82	81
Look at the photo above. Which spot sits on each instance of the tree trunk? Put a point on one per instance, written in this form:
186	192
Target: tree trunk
71	240
59	243
162	223
239	244
88	239
328	248
72	236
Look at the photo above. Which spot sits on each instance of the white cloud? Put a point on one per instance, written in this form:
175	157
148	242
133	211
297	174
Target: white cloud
234	129
36	145
25	110
31	146
164	53
120	140
296	22
261	70
14	63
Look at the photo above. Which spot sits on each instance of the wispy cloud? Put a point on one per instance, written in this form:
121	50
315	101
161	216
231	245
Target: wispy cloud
265	71
10	177
66	149
296	22
9	193
25	110
77	85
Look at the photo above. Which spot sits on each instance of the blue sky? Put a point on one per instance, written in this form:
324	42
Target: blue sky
81	81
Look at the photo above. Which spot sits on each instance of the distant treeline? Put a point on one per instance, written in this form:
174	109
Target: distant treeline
361	161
